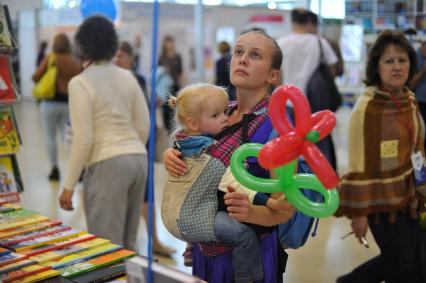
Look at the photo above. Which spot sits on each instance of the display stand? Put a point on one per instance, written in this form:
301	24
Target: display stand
10	141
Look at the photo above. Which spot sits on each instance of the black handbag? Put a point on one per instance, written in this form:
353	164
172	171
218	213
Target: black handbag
321	90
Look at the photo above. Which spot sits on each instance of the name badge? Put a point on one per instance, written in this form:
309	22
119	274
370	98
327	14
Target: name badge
419	168
389	148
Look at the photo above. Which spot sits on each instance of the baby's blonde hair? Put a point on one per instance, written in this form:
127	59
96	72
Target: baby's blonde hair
192	100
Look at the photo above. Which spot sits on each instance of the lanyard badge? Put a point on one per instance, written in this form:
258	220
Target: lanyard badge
419	168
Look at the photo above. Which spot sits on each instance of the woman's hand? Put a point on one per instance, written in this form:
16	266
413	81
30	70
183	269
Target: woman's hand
238	205
174	165
359	225
65	200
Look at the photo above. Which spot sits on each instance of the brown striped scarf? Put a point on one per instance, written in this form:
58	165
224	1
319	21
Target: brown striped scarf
382	137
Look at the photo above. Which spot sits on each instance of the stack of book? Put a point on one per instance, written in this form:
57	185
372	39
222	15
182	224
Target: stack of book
34	248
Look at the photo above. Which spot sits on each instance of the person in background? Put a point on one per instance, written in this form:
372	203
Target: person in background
255	66
222	69
301	52
172	61
164	88
124	57
380	190
41	52
418	83
55	111
312	27
110	122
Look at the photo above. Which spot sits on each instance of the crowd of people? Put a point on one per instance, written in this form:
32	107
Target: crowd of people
232	233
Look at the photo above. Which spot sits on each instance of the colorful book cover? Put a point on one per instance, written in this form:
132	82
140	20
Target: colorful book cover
95	263
6	207
23	272
4	251
7	242
49	239
53	255
16	265
22	221
38	277
11	258
113	272
82	256
28	228
6	37
7	87
12	216
11	197
9	138
58	245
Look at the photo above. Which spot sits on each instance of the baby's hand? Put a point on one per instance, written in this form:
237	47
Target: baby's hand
280	203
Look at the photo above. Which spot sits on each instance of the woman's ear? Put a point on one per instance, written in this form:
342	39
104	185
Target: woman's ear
192	124
274	76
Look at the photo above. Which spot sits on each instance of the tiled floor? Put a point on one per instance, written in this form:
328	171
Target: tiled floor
322	259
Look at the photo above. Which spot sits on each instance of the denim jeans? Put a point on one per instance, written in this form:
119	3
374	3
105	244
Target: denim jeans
55	116
246	254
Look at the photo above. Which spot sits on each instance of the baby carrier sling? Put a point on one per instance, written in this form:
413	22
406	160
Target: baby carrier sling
190	202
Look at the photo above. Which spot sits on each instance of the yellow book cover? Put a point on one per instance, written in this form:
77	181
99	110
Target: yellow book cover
9	136
49	239
38	277
23	272
22	222
28	228
7	177
83	255
58	245
53	255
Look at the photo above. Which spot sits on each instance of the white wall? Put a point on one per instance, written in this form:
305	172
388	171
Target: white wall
27	38
174	19
178	21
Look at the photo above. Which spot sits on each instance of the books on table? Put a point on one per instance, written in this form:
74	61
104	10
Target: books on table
95	263
10	232
53	255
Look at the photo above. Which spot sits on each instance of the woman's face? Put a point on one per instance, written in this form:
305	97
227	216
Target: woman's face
251	62
169	45
123	59
394	67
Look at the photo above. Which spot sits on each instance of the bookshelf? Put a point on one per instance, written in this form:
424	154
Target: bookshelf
10	141
377	15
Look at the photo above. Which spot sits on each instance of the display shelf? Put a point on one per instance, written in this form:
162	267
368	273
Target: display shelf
377	15
10	140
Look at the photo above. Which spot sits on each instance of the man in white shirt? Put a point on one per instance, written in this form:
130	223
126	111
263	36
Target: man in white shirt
301	57
301	51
